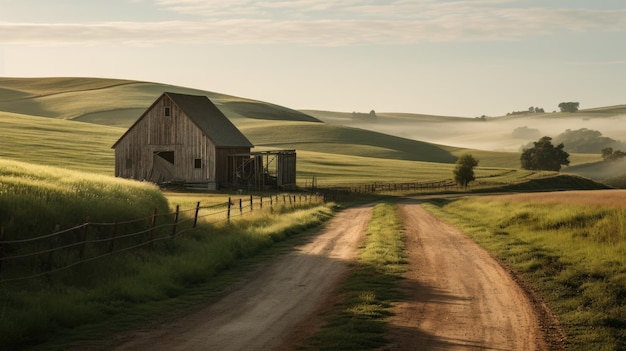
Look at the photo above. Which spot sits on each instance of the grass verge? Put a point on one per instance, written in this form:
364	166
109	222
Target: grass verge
83	307
573	255
358	322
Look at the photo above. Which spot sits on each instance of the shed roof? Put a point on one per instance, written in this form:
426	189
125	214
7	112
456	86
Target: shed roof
213	123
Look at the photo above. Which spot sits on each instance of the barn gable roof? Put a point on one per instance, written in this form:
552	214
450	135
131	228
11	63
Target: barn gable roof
213	123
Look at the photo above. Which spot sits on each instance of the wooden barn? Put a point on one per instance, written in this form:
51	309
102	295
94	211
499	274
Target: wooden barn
182	138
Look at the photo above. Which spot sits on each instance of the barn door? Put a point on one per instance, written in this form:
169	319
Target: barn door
163	169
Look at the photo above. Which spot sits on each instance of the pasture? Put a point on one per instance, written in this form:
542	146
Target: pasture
37	112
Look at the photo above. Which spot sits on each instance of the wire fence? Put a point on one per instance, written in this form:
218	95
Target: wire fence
62	249
338	193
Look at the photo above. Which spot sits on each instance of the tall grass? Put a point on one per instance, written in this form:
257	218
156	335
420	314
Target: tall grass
34	199
574	255
359	321
100	298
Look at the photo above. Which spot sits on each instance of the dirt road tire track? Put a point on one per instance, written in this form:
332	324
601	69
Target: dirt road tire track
458	296
265	312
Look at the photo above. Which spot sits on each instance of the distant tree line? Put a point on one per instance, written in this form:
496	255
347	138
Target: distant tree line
569	106
530	110
563	106
587	141
608	154
583	141
525	133
365	117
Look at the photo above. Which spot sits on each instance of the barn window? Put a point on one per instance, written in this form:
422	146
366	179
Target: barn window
197	163
167	112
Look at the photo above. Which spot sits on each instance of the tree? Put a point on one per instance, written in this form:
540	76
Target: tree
608	154
569	106
544	156
464	170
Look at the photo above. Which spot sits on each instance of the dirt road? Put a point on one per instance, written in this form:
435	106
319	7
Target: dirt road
458	297
264	313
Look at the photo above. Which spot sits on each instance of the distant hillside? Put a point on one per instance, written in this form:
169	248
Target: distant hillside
488	133
600	170
342	140
116	102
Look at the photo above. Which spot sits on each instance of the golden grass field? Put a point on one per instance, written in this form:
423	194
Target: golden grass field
601	198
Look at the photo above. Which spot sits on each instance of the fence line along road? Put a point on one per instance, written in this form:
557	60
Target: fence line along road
65	248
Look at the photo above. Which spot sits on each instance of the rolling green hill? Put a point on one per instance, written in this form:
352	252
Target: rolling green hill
115	102
72	123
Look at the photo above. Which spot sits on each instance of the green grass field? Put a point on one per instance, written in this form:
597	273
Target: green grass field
42	121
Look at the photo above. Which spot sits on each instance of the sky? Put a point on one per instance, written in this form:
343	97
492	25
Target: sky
444	57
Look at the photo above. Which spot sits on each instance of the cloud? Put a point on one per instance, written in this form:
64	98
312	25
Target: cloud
326	23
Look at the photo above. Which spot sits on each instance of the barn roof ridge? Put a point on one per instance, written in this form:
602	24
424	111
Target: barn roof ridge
210	119
207	116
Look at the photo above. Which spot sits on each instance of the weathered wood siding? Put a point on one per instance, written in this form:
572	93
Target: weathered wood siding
286	169
156	132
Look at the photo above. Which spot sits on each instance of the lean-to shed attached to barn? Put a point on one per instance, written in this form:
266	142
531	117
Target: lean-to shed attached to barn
181	138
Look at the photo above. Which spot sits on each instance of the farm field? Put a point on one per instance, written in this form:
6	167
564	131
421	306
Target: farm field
43	119
55	141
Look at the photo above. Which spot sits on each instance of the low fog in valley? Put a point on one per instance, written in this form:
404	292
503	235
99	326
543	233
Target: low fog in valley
493	134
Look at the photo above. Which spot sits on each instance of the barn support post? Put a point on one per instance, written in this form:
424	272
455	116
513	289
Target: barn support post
175	220
228	210
113	235
195	218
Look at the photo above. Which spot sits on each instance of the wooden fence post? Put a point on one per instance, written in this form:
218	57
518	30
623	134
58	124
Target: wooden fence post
153	223
48	264
271	201
228	211
83	238
175	220
251	203
1	246
195	218
113	235
240	207
261	201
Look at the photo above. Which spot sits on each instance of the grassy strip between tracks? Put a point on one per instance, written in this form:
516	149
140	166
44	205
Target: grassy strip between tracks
358	322
573	255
